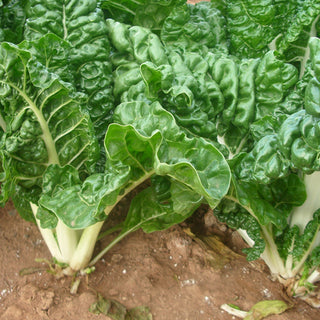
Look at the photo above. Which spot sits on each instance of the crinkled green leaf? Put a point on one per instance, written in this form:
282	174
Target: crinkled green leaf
199	27
314	259
264	162
52	52
237	218
268	125
79	204
304	241
314	45
271	202
296	24
273	82
187	91
312	92
202	167
299	141
149	14
133	45
312	98
83	58
250	26
45	123
284	26
207	93
12	19
138	43
21	199
145	141
148	213
263	206
225	72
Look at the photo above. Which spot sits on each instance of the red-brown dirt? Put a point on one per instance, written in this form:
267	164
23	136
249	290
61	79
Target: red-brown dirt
170	272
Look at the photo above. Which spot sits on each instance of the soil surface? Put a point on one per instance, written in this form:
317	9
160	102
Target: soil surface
171	272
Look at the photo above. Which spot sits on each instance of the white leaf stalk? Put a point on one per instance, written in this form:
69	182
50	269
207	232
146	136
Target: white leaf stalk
75	247
290	272
69	246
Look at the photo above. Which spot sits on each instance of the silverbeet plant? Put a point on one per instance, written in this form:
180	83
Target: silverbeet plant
215	103
65	164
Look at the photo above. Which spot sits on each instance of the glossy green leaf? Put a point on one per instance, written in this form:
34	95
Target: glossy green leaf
270	201
149	14
304	241
45	123
186	90
150	215
273	82
202	167
312	92
12	19
314	45
198	27
138	43
299	141
52	52
145	141
84	55
296	22
262	211
238	218
79	204
250	27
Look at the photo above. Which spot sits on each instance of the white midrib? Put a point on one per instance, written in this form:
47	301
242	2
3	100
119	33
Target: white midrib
64	22
47	138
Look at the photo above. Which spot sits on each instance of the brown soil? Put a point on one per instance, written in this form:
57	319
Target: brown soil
170	272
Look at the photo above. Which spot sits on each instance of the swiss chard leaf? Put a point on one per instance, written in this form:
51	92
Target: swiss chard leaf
148	213
144	13
269	203
296	22
82	54
78	204
284	26
262	211
192	161
145	141
12	19
44	123
304	242
250	27
238	218
199	27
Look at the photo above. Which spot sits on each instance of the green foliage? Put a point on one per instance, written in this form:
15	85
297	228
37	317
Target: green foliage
215	103
144	13
45	123
79	54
